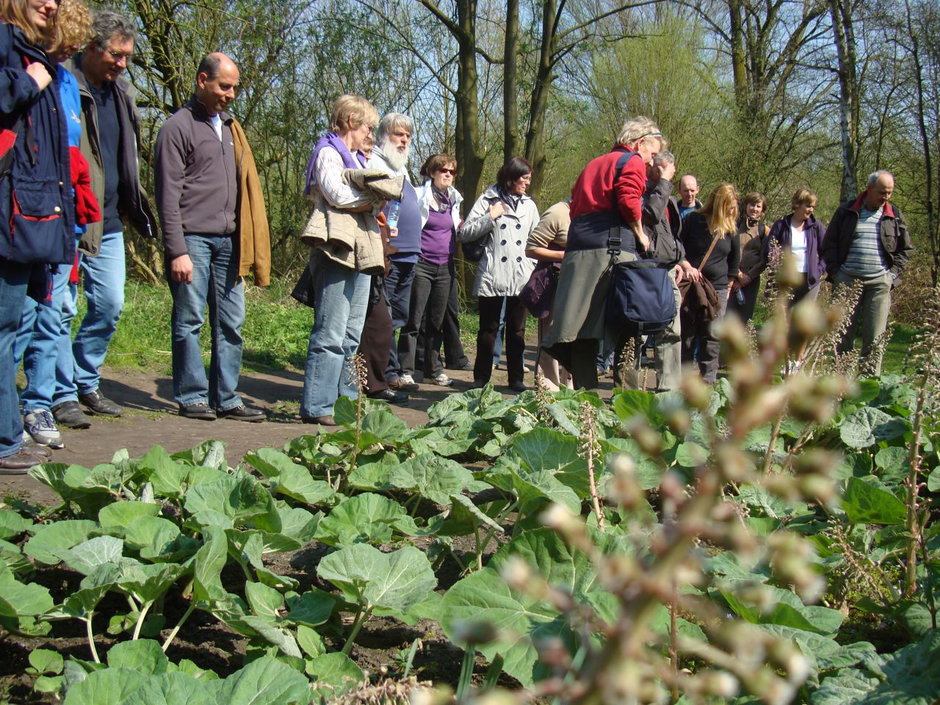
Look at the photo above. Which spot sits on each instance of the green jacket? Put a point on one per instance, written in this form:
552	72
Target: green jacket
133	205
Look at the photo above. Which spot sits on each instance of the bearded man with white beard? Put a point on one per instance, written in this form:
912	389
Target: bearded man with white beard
393	139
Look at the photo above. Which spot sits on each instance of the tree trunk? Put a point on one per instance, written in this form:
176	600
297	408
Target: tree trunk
535	134
510	82
844	35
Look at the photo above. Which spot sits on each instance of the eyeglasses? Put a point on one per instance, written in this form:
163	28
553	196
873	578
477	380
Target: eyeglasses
651	134
452	172
119	55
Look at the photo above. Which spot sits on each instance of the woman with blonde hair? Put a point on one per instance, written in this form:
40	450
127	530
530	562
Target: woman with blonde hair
800	234
36	227
712	251
340	279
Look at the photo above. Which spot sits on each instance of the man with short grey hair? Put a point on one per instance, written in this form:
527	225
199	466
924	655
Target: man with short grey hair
110	143
868	241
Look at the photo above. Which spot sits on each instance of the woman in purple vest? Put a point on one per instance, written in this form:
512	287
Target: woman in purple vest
440	219
800	234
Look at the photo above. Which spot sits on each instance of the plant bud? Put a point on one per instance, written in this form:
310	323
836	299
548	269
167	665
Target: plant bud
553	653
807	320
720	684
649	441
787	276
473	632
623	487
818	487
734	465
733	336
679	421
516	572
696	393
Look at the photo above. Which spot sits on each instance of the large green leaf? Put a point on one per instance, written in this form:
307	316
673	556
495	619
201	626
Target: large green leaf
784	608
88	555
20	600
485	597
365	575
312	608
58	536
110	686
208	564
118	517
858	430
382	473
159	539
910	676
150	581
336	671
266	681
12	524
143	656
175	688
866	504
437	478
233	500
368	518
464	517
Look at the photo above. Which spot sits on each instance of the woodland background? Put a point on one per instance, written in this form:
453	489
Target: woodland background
771	95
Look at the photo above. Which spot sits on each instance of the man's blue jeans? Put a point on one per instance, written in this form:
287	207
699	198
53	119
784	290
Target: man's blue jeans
104	277
340	302
41	340
13	280
215	283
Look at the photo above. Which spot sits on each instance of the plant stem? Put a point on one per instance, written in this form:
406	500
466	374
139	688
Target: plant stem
357	626
914	460
466	673
774	435
140	620
179	624
91	637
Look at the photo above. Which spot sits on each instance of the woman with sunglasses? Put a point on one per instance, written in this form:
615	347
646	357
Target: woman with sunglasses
440	218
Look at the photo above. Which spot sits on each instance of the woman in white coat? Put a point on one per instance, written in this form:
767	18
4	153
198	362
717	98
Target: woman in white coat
506	216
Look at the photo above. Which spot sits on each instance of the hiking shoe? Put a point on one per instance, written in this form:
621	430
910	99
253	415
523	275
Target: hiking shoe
200	410
441	380
70	415
41	427
404	382
99	404
242	413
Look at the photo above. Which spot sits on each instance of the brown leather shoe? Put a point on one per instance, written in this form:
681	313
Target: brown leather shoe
18	463
322	420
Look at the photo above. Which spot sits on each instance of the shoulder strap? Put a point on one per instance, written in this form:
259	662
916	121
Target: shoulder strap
614	242
709	252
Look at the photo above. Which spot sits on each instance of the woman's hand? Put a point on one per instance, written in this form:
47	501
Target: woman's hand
40	74
691	273
497	209
643	240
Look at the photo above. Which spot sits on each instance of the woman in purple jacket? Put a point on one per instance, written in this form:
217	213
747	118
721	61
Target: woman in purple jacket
800	234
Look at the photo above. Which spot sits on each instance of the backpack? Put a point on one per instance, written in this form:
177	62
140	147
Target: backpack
641	297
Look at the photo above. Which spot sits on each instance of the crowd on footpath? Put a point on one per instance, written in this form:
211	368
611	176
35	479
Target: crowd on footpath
381	275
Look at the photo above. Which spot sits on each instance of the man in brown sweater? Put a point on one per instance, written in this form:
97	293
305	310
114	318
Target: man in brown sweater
198	197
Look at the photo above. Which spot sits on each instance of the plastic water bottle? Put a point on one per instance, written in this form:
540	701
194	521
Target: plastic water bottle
739	297
392	217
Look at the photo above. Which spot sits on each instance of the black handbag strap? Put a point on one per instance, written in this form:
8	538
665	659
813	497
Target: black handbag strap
614	241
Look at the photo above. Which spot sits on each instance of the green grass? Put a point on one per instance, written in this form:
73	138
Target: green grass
277	329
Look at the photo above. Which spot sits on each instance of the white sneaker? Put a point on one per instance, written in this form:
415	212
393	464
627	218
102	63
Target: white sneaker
41	427
441	380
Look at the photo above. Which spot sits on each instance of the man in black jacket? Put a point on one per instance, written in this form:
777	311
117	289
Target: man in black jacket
868	241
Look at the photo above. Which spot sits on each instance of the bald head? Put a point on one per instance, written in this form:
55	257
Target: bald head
688	190
880	189
216	82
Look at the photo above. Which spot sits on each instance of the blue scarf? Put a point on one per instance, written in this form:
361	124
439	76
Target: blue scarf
331	139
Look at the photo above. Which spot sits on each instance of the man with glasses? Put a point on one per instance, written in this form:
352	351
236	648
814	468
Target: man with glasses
215	230
110	142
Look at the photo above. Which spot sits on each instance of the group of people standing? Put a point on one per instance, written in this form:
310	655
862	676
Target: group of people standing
381	273
69	184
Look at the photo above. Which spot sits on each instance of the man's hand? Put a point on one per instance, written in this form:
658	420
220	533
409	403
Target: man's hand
497	209
40	74
667	171
181	269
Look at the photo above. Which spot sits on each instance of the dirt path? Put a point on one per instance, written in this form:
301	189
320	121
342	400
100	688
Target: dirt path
150	419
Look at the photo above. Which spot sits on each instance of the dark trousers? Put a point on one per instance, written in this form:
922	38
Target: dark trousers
429	292
745	310
699	332
490	308
398	294
376	340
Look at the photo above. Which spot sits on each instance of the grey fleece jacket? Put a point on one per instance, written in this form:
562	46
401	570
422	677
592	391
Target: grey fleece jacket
196	177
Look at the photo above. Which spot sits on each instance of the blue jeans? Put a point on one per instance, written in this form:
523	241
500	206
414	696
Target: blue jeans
216	283
40	341
104	292
340	302
13	280
398	284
